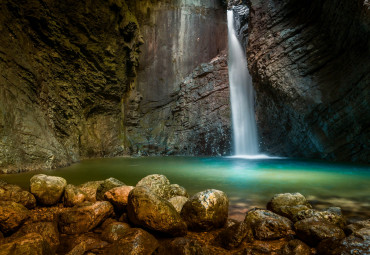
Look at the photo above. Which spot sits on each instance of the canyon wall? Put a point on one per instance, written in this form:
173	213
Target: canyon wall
310	66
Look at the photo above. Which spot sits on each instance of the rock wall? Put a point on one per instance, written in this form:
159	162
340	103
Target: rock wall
65	67
310	65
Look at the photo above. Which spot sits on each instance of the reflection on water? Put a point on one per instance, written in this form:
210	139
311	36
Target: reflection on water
247	182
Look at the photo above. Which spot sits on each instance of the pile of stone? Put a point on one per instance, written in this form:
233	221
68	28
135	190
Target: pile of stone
157	217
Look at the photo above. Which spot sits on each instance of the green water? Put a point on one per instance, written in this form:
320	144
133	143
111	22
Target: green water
248	183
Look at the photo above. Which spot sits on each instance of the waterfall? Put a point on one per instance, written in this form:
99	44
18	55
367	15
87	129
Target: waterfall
242	96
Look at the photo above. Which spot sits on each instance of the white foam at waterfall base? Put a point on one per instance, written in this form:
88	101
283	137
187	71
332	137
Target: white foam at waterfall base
245	141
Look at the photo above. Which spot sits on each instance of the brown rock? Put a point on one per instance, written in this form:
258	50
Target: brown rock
156	183
288	204
47	189
14	193
80	244
175	190
150	211
114	231
12	216
90	188
234	235
296	247
118	196
135	241
267	225
29	244
84	218
73	196
183	246
332	215
206	210
178	202
107	185
313	230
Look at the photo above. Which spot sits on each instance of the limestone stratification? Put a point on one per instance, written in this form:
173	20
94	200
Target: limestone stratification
310	66
65	67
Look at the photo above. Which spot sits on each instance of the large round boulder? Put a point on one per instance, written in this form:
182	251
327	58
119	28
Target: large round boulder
107	185
118	196
206	210
134	241
47	189
156	183
150	211
288	204
82	219
313	230
73	196
14	193
12	216
267	225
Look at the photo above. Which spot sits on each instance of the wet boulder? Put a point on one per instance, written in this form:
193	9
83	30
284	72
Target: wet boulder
235	234
84	218
73	196
81	244
354	227
313	230
47	189
267	225
150	211
90	188
206	210
12	216
178	202
175	190
118	196
332	215
14	193
183	246
295	247
288	204
107	185
156	183
29	244
47	230
135	241
114	231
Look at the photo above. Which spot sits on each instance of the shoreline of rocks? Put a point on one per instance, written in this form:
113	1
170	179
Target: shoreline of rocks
157	217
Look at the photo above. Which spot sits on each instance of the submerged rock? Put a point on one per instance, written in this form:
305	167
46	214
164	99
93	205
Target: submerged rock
206	210
12	216
313	230
135	241
73	196
267	225
150	211
118	196
288	204
84	218
107	185
14	193
234	235
29	244
90	189
47	189
114	231
178	202
332	215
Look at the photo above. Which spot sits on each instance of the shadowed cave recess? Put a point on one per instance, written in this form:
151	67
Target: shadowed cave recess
86	79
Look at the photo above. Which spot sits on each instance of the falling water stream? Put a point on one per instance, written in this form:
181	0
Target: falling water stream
242	99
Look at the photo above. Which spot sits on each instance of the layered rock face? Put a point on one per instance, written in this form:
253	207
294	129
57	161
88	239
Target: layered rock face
310	66
65	66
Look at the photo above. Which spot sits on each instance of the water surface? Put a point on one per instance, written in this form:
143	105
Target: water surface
248	182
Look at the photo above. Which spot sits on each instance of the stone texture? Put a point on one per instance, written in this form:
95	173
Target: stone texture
135	241
118	196
90	188
114	231
332	215
150	211
47	189
81	244
288	204
296	247
234	235
108	184
66	66
14	193
183	246
156	183
309	62
206	210
194	120
267	225
73	196
82	219
178	202
30	244
313	231
12	216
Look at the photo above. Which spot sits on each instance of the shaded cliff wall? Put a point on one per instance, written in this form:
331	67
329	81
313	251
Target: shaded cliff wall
310	66
65	67
179	35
